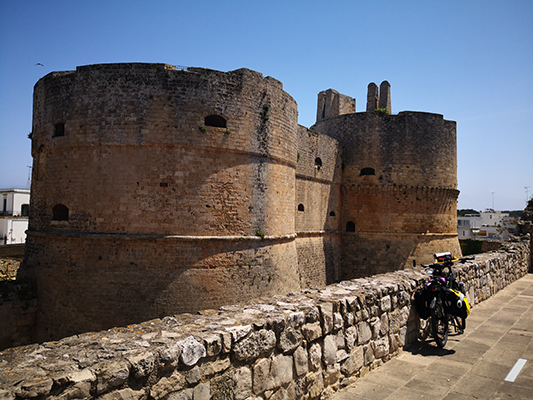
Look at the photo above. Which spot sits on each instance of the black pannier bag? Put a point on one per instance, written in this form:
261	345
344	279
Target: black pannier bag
422	299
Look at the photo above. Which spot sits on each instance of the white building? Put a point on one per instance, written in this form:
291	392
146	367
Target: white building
485	225
14	211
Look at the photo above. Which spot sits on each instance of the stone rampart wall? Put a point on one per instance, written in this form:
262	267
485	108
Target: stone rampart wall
18	306
302	346
12	250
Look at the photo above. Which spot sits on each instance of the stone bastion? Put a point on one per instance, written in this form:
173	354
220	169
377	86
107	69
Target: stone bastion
159	190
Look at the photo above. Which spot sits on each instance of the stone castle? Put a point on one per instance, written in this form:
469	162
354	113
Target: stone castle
159	190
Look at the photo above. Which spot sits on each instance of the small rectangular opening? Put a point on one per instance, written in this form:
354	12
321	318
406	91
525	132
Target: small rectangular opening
59	129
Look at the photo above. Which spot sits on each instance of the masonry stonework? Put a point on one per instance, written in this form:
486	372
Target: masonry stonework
304	346
158	190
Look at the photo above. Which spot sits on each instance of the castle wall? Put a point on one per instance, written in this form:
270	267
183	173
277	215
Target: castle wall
317	208
399	189
160	191
306	345
168	211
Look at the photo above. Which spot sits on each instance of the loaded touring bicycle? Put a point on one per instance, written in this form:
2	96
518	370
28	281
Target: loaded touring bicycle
442	301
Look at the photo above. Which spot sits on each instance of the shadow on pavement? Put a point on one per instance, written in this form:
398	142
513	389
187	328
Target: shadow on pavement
428	349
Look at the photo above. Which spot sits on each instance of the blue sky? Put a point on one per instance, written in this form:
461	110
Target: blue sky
471	61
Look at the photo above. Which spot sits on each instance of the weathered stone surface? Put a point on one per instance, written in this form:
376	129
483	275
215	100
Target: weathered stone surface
239	332
364	332
384	325
202	391
385	304
332	374
375	326
191	351
124	394
312	331
355	362
326	317
280	371
166	386
257	343
301	361
170	355
187	394
315	384
7	395
213	344
289	340
261	372
269	374
350	336
111	375
142	364
79	390
296	319
329	351
315	356
369	353
243	383
381	347
194	375
215	367
33	387
395	321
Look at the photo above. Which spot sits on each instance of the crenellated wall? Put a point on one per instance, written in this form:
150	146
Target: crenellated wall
305	345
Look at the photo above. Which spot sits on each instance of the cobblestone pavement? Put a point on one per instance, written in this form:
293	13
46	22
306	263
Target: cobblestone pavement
483	363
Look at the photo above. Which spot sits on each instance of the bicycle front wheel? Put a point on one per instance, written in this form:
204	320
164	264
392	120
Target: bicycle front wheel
439	324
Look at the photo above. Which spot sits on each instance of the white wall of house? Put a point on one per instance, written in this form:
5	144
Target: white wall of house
13	230
485	225
13	200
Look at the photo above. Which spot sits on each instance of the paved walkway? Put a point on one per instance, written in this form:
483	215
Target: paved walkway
475	365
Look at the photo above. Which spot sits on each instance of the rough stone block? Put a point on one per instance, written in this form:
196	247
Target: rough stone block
243	383
111	375
167	386
329	351
312	331
364	332
301	361
289	340
315	356
191	351
257	343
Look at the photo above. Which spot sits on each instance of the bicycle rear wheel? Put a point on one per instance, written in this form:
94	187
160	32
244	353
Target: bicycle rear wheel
439	324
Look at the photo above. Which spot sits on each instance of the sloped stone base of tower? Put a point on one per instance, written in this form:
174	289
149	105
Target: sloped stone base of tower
104	281
366	254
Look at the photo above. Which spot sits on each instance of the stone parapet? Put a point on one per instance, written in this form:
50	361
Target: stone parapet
302	346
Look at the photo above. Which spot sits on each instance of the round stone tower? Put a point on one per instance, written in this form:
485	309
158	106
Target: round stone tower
156	191
399	189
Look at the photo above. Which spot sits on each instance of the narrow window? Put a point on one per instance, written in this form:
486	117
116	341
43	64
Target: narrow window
215	120
318	162
332	213
59	130
60	213
350	226
367	171
25	210
301	207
